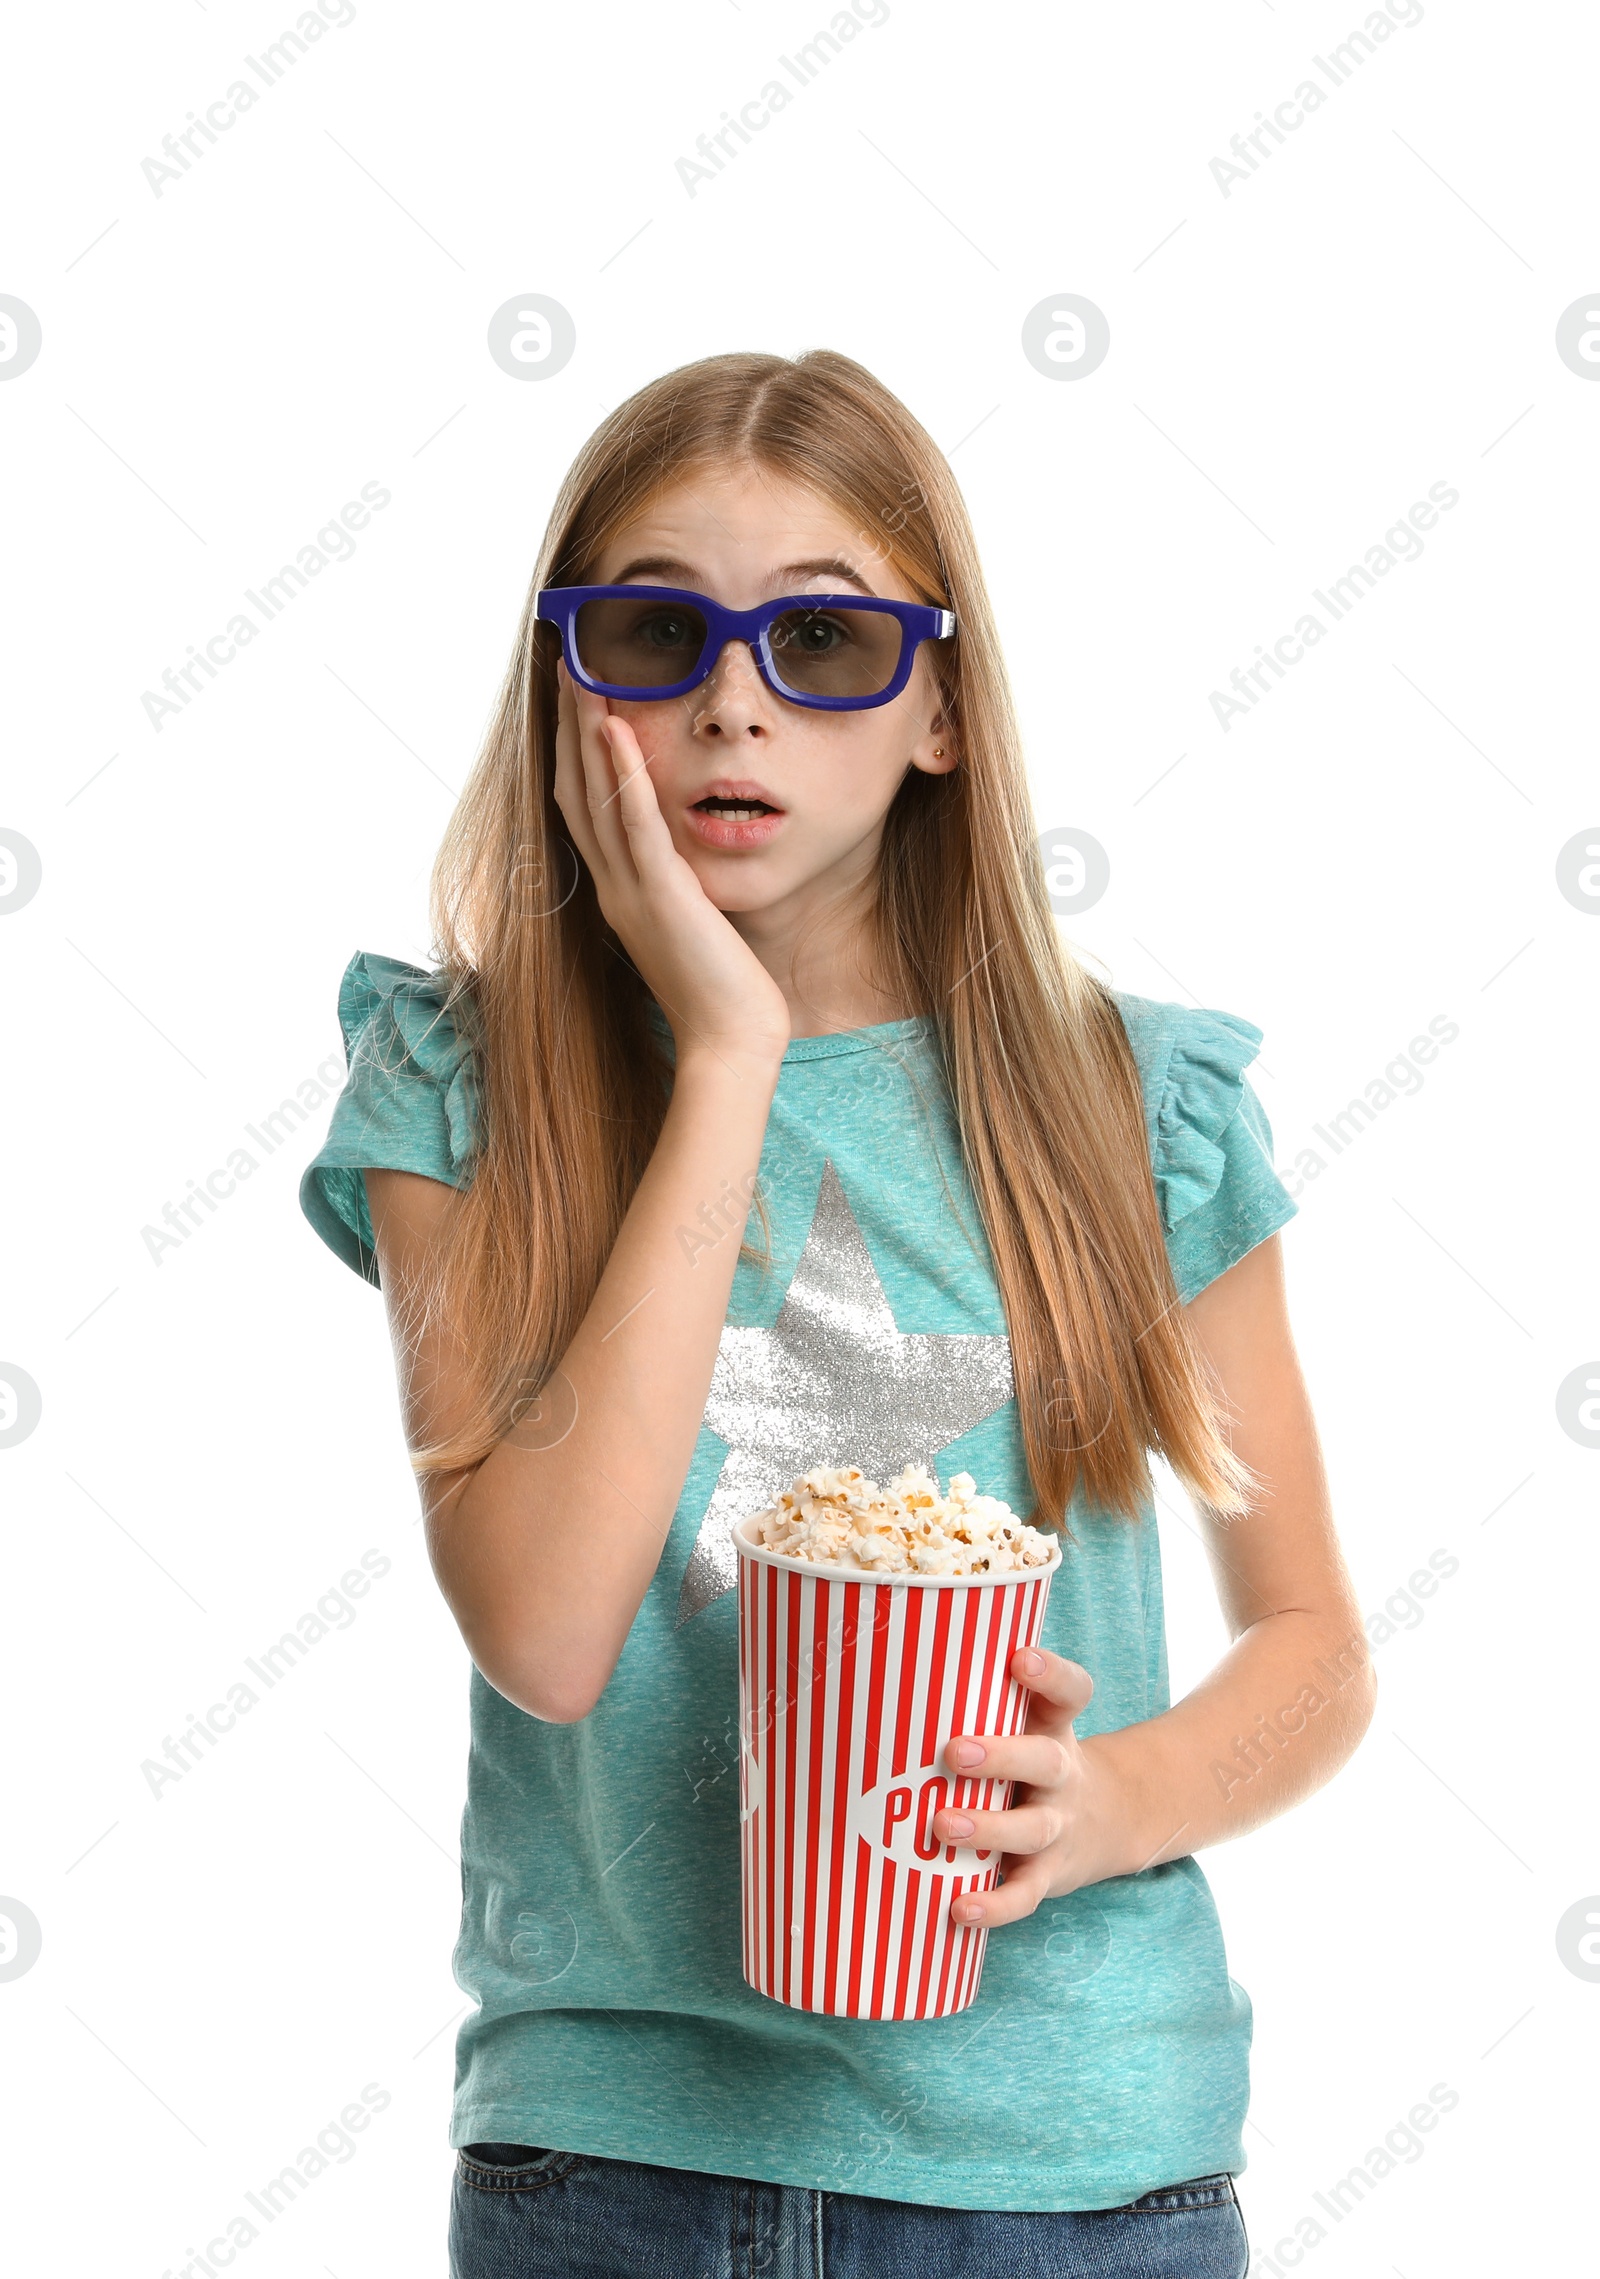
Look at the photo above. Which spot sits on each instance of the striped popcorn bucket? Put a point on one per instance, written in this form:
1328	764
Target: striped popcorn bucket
850	1685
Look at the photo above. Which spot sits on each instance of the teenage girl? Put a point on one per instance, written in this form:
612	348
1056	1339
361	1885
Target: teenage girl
741	918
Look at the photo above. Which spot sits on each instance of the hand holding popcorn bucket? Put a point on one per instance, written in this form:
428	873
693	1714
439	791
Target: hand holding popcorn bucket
851	1682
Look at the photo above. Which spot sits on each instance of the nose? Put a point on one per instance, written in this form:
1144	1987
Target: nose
733	700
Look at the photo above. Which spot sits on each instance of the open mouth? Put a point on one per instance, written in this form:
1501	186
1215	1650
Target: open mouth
735	821
735	810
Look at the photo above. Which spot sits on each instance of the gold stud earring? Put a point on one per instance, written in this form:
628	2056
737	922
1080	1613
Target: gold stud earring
938	751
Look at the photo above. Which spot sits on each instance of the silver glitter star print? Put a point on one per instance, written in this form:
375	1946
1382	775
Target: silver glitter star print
832	1382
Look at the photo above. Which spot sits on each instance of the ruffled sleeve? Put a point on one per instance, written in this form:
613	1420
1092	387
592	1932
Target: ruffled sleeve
1210	1141
409	1102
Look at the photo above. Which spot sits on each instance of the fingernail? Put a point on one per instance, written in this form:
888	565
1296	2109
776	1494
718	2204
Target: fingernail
967	1753
972	1912
1030	1663
957	1824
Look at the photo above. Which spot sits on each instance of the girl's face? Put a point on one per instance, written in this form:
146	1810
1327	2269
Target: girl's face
745	536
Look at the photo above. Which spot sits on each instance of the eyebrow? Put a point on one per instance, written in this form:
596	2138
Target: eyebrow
668	565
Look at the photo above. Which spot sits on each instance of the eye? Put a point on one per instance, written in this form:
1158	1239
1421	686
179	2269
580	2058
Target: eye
664	629
811	636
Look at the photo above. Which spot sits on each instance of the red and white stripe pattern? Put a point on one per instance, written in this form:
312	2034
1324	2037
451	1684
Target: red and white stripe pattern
848	1692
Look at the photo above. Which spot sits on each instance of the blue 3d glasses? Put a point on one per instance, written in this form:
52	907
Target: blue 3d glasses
834	652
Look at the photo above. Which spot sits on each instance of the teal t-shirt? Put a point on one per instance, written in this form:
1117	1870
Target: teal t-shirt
1107	2052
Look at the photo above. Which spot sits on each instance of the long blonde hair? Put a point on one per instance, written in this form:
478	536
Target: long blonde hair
572	1084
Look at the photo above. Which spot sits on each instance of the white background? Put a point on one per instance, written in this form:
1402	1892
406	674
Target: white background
1293	364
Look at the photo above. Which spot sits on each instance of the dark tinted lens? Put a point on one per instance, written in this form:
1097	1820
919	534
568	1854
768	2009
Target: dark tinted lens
637	643
835	652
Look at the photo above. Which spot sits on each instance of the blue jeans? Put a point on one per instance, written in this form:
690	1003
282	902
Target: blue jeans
522	2212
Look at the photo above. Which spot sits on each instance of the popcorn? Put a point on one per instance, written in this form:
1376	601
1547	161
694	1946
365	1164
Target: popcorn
835	1515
